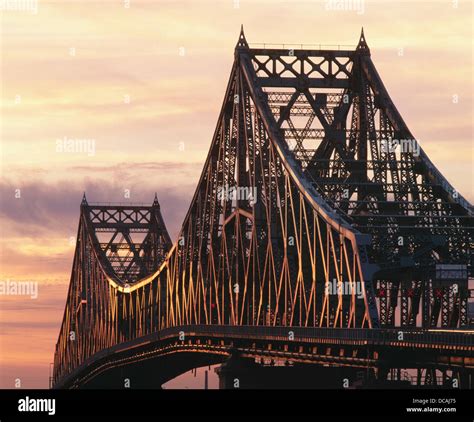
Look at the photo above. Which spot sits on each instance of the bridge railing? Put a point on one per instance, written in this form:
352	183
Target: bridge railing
290	46
372	336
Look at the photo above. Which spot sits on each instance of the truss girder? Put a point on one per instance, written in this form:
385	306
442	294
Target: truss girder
296	220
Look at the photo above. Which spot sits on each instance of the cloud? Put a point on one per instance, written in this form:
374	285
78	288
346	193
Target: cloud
38	230
52	209
176	99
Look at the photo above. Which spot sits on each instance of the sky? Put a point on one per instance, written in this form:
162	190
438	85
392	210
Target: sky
140	83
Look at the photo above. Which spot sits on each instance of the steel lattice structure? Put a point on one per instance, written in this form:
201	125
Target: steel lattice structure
299	193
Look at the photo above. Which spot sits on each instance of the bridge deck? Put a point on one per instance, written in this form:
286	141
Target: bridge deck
243	338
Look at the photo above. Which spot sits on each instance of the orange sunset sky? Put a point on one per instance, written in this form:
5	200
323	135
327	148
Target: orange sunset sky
144	79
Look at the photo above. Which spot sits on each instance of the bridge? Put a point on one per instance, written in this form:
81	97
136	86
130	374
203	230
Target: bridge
320	241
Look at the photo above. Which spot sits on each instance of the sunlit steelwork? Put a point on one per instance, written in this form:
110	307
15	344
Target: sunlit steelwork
316	208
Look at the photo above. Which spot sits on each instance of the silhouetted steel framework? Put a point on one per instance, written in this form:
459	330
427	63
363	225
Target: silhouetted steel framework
302	190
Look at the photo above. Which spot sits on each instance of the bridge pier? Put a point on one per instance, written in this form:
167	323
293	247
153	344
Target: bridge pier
244	373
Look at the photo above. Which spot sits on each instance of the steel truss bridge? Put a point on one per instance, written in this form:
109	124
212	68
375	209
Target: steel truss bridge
313	238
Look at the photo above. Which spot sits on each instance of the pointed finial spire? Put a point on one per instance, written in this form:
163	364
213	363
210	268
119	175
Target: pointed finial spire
362	43
84	199
242	43
155	201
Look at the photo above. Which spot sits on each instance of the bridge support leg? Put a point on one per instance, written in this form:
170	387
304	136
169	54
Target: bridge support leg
244	373
466	379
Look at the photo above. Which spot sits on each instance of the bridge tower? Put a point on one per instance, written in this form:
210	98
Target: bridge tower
317	212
